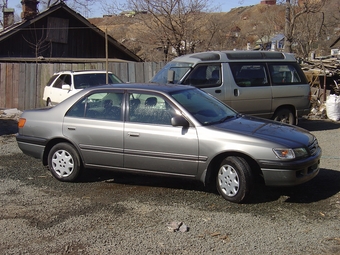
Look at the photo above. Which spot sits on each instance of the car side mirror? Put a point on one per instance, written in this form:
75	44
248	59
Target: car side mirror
179	121
171	76
66	87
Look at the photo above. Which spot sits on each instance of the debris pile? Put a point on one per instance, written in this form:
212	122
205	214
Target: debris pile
10	114
323	75
317	69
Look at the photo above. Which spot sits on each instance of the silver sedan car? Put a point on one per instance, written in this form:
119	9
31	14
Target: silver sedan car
169	130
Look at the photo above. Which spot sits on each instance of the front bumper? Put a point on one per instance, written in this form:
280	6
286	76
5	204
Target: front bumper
290	173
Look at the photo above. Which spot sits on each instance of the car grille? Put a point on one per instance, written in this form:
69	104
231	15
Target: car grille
313	147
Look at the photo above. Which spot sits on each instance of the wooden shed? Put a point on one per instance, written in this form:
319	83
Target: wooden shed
59	32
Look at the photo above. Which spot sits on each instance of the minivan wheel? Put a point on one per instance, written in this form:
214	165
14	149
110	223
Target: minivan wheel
234	179
284	115
48	103
64	162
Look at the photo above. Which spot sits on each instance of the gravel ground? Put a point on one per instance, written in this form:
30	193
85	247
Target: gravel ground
111	213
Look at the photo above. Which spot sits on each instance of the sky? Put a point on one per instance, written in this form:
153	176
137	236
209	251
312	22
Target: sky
222	5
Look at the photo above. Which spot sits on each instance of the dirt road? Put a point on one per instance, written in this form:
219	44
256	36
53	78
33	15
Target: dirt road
111	213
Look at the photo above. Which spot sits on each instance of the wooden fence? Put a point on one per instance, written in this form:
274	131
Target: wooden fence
22	84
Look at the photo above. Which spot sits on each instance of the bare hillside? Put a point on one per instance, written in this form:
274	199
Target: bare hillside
214	31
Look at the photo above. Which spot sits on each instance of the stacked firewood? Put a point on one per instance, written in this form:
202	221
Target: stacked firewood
317	69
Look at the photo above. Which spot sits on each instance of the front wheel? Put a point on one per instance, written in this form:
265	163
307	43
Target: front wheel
284	115
48	102
64	162
234	179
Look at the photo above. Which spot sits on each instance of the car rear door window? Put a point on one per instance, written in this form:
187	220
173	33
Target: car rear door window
101	106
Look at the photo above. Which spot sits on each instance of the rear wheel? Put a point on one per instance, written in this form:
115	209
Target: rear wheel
64	162
234	179
284	115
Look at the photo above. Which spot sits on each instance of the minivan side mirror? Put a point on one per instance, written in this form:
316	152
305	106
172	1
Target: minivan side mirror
179	121
66	87
171	76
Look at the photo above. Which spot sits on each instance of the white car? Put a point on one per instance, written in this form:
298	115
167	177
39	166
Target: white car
66	83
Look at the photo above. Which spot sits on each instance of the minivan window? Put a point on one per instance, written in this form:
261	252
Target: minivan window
83	81
180	69
249	74
285	74
51	80
204	76
62	80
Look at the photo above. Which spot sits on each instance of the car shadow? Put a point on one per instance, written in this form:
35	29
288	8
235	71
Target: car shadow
323	186
95	175
318	125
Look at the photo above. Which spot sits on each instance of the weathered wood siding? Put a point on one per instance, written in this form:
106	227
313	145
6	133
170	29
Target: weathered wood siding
22	84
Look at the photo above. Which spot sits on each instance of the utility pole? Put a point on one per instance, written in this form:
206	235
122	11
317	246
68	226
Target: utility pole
288	29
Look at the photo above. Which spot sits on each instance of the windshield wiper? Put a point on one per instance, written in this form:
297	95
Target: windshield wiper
226	118
220	121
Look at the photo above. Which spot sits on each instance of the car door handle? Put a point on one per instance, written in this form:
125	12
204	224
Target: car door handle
71	128
236	92
132	134
218	91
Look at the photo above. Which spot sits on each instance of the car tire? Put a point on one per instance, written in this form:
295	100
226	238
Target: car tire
234	179
64	162
48	102
284	115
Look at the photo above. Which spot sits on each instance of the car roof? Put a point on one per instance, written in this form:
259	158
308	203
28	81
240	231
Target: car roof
81	72
166	88
230	56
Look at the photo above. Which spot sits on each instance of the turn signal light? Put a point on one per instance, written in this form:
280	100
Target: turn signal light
21	123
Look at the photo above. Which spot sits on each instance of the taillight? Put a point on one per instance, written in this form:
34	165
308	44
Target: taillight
21	122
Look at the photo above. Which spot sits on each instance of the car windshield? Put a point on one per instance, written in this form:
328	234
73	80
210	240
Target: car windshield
83	81
203	107
180	69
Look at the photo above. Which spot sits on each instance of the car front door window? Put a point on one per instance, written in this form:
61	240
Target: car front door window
148	108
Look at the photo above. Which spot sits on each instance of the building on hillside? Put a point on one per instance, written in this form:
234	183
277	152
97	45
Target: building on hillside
268	2
274	43
57	34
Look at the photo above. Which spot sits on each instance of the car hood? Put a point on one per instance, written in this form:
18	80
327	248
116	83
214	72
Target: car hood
287	135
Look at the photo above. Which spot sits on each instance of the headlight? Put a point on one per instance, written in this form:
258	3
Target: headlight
300	152
283	153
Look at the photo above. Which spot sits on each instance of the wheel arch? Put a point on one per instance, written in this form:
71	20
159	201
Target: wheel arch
48	99
55	141
214	165
292	108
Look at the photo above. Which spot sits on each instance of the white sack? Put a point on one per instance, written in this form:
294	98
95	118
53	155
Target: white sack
333	107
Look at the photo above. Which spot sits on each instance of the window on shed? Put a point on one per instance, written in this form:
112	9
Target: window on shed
57	30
